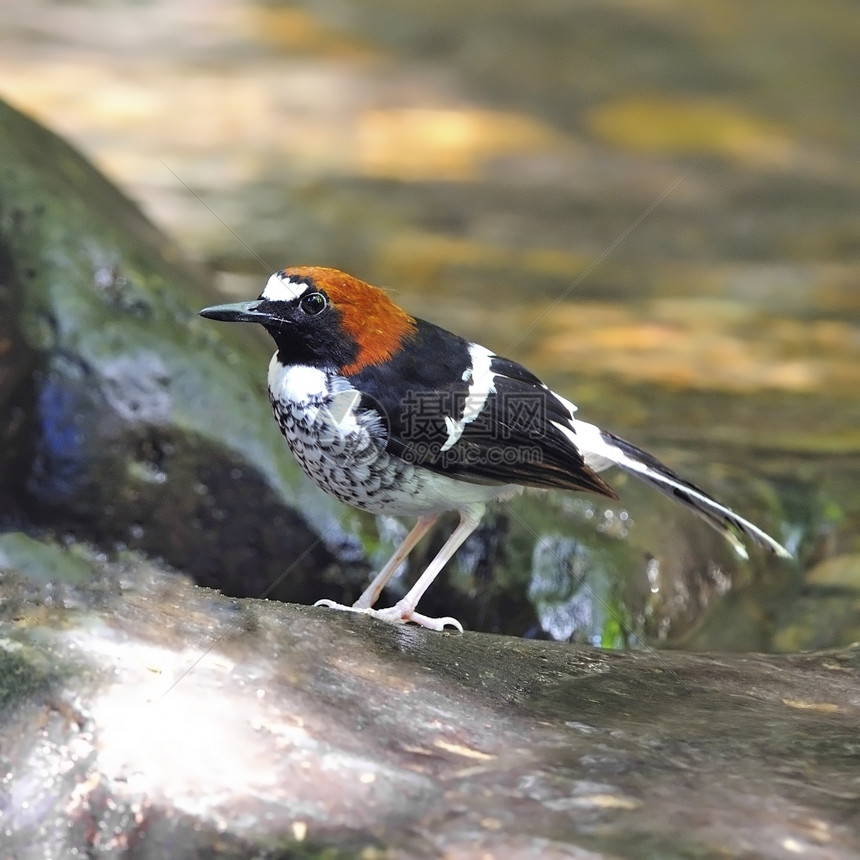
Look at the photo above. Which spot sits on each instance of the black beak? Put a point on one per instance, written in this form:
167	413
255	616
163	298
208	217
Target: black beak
238	312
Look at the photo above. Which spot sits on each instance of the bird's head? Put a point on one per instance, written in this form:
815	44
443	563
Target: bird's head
324	318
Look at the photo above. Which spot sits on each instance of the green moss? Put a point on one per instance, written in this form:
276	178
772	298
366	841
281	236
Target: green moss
42	562
24	672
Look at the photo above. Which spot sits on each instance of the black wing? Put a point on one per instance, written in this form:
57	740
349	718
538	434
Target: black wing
455	408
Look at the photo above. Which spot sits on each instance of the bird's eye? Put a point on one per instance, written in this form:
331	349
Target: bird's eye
313	303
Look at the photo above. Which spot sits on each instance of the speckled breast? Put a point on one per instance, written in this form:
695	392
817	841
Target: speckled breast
343	455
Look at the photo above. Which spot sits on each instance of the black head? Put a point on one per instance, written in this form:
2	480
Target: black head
299	314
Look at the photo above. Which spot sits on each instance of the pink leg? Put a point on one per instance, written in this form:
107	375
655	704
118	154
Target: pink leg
371	594
404	610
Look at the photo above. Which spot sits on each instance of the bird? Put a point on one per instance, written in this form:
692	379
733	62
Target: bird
394	415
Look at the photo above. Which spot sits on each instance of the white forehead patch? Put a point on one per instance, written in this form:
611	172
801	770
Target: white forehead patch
279	288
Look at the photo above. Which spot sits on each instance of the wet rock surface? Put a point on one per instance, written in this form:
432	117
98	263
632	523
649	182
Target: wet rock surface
144	715
126	421
17	366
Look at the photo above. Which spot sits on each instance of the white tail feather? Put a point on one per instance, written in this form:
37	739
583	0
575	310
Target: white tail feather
600	450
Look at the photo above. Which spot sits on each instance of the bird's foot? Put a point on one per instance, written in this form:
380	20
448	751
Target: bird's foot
400	613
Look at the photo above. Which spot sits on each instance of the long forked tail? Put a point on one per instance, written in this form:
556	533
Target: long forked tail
601	450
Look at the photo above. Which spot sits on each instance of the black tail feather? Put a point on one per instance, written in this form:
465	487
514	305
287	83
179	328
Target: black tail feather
649	469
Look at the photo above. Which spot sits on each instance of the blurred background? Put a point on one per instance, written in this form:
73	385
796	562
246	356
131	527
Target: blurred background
654	204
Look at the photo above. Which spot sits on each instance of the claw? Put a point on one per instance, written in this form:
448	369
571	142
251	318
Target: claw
331	604
396	614
402	614
436	623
